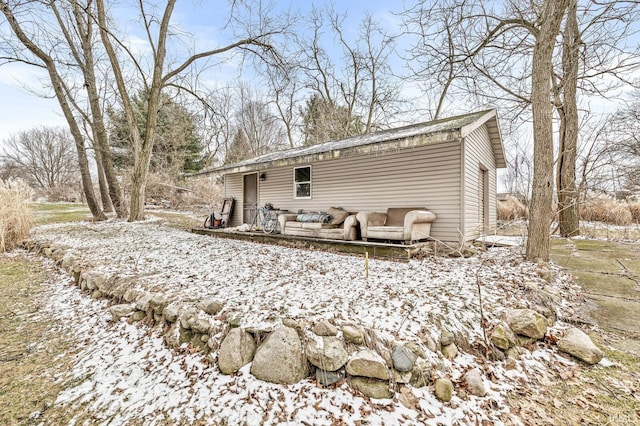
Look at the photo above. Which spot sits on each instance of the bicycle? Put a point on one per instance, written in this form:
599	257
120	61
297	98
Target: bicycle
264	219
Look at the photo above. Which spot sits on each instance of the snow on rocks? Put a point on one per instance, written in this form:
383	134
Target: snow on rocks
577	343
280	359
527	322
236	351
290	300
327	353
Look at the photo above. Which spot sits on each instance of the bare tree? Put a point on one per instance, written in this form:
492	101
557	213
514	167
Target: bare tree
44	59
44	156
542	69
160	76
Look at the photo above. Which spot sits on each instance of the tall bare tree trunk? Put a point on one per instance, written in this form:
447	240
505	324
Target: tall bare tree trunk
60	91
107	205
540	213
568	212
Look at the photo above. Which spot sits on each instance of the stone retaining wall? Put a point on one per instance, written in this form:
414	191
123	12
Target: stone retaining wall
329	353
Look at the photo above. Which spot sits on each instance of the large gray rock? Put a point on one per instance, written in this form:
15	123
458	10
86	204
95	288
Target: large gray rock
403	359
119	311
158	302
527	322
353	334
94	279
211	306
367	363
325	328
327	378
444	390
450	351
280	358
577	343
171	312
502	337
474	382
371	387
447	338
236	351
327	353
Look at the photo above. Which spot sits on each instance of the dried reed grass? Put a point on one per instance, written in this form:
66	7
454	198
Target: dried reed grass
512	209
16	217
605	209
634	209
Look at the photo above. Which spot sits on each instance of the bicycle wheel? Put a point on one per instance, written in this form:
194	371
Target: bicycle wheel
270	225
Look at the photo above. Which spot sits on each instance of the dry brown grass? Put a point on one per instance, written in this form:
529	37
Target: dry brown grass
16	217
603	208
512	209
634	209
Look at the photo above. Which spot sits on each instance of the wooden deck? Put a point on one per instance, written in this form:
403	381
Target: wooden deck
403	252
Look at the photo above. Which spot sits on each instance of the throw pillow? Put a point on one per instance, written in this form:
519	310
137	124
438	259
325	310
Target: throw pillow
338	214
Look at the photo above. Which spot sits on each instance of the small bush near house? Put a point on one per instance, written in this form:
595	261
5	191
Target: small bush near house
16	217
511	209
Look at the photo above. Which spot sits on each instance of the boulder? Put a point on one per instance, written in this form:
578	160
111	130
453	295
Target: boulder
94	279
353	334
450	351
327	353
142	301
447	338
371	387
119	311
527	322
138	316
403	359
327	378
367	363
444	390
474	382
158	303
280	358
578	344
502	337
325	328
171	312
236	351
211	306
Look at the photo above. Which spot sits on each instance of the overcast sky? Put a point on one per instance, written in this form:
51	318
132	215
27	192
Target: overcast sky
21	109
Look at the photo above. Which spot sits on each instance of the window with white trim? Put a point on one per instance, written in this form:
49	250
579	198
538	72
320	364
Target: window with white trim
302	182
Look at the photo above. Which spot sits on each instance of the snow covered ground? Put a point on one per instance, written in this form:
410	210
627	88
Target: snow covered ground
126	371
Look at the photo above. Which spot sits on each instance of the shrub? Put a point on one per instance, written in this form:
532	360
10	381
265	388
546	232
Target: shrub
619	215
511	209
16	217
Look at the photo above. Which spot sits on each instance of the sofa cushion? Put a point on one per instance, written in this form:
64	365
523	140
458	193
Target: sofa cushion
317	225
395	215
338	215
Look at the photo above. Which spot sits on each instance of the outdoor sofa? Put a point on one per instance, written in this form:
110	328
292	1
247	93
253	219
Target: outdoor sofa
406	224
337	224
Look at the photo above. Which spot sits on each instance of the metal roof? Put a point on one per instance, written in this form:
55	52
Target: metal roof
446	129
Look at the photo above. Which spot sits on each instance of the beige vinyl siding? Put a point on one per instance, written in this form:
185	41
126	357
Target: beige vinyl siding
478	153
233	188
427	176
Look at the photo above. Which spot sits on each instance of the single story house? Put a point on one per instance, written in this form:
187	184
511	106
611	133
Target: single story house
447	166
